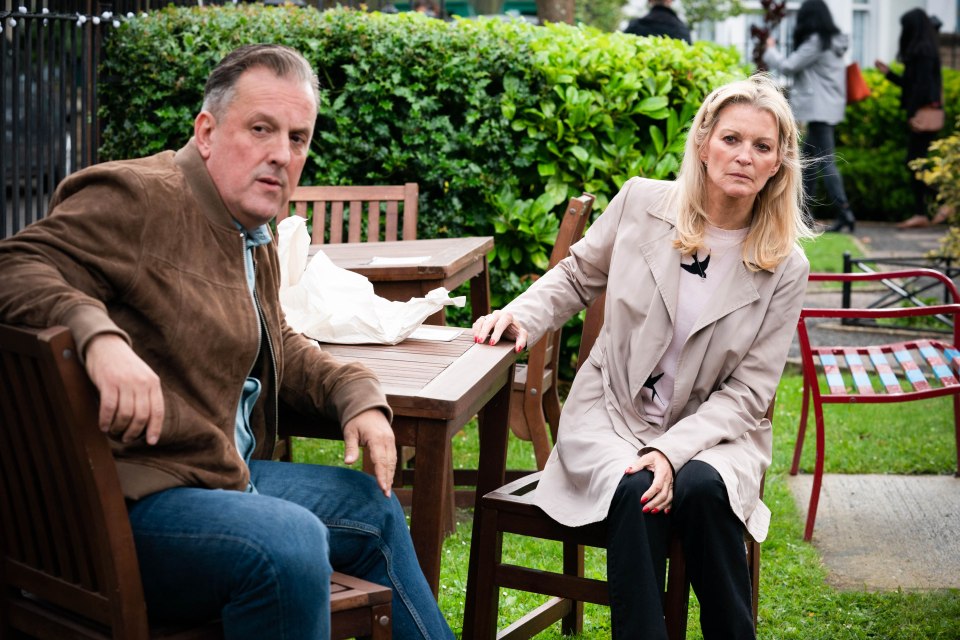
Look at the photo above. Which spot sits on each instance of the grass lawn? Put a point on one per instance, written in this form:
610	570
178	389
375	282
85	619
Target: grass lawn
826	252
795	601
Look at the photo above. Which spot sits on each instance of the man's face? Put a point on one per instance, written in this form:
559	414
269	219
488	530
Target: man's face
256	150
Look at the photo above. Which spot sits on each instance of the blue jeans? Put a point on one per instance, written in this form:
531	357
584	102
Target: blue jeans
262	561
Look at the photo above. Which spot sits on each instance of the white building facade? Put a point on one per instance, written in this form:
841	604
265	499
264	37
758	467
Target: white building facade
873	25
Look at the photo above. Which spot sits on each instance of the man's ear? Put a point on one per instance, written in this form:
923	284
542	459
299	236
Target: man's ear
203	127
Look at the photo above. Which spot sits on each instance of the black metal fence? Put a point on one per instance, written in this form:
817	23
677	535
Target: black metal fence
908	292
49	55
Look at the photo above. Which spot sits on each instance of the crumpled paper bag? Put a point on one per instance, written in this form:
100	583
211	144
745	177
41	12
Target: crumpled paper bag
330	304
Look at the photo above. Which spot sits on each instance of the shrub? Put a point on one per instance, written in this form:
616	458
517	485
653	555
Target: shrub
500	122
941	169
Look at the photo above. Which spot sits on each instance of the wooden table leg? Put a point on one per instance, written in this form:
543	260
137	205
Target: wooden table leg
431	481
494	430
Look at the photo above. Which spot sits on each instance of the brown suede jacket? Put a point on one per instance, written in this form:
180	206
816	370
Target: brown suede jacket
146	249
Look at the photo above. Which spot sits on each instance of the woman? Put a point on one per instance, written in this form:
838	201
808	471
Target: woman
664	426
818	97
920	85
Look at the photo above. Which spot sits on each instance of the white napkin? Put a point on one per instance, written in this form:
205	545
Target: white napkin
330	304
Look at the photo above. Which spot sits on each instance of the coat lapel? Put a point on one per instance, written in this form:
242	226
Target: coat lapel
664	263
737	290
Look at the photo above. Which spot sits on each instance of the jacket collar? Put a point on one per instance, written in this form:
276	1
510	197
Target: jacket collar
195	172
738	289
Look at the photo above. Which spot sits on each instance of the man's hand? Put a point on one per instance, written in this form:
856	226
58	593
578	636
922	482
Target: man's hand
131	399
372	430
659	496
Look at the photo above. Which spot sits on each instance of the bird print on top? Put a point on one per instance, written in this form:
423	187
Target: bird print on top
697	267
651	383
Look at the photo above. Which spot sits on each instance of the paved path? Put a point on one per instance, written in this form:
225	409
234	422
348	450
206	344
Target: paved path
879	532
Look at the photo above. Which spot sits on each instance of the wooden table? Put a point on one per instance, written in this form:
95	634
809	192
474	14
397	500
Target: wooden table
448	262
434	388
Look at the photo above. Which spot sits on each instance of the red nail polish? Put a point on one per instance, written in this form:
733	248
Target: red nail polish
492	342
646	509
655	510
627	470
643	500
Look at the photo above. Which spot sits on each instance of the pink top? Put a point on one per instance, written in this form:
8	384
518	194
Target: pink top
700	274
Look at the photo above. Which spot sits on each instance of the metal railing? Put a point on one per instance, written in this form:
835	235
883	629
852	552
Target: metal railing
914	292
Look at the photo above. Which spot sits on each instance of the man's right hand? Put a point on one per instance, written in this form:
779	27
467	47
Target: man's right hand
131	400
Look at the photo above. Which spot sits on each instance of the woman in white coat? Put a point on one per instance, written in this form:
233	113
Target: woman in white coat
664	425
818	98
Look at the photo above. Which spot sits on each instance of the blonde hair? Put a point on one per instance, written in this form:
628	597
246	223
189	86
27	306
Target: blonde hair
779	220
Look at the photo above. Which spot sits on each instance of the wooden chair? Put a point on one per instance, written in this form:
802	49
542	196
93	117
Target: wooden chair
68	564
376	200
878	372
312	202
535	400
510	509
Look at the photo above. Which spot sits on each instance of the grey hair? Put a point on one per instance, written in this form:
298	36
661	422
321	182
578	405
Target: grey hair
283	61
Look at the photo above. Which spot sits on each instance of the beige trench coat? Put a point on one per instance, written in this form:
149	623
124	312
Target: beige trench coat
727	373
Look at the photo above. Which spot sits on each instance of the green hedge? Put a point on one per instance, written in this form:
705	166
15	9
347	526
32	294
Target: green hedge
872	143
499	122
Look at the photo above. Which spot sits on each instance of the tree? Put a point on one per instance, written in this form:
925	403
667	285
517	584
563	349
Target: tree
555	11
602	14
773	13
697	11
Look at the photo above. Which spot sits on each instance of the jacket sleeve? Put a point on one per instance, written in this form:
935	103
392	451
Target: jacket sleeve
739	403
807	54
576	280
316	383
65	268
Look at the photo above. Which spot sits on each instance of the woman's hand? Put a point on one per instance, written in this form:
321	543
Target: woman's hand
881	67
659	497
499	324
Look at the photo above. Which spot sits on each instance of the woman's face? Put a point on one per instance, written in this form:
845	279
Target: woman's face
741	154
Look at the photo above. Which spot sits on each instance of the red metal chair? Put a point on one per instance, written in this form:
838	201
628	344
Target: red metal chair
879	372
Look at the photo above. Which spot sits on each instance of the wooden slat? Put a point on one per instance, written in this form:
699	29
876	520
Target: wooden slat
336	222
356	218
391	221
373	221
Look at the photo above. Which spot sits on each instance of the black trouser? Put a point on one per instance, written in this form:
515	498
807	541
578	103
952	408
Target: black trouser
713	546
819	153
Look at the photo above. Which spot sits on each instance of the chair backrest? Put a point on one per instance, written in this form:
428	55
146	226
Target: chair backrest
546	353
64	534
324	207
536	384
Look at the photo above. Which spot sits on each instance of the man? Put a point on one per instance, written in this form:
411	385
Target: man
660	21
165	271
